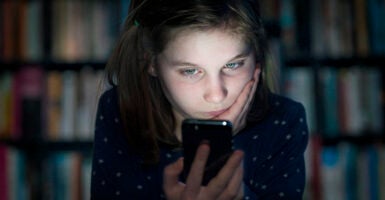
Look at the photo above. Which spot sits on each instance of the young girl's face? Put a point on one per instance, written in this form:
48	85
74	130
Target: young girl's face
203	72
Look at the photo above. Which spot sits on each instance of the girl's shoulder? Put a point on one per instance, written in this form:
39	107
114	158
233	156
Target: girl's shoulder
108	102
283	114
110	95
284	126
284	106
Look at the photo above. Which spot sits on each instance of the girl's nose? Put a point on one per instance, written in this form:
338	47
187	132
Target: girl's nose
215	91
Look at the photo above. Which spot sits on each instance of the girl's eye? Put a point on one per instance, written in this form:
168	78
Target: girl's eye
234	65
190	72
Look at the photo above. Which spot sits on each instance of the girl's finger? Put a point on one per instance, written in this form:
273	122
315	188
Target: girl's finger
194	179
234	189
219	183
171	184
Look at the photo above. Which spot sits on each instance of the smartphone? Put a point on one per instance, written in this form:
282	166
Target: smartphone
217	133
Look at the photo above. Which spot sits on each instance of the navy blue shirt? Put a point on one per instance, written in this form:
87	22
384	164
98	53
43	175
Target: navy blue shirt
273	164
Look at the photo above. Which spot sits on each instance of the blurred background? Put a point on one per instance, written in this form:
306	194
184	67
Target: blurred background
327	54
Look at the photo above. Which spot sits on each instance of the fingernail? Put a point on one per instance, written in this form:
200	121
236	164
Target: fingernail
240	152
180	161
205	142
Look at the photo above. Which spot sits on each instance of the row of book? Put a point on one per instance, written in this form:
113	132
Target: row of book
65	175
52	105
345	171
348	100
60	30
333	28
13	174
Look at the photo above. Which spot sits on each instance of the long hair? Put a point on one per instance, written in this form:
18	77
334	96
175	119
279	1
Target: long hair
150	25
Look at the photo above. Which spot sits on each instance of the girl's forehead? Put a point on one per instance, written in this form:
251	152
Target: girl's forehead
204	47
189	38
190	30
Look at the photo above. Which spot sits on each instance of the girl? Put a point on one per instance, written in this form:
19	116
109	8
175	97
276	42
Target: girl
194	59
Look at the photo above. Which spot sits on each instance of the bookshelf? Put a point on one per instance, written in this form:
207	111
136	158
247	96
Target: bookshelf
308	38
49	146
52	56
332	60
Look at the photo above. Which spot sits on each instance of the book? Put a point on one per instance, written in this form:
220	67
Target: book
86	103
1	31
361	39
31	91
9	29
3	173
376	15
5	106
86	177
53	102
59	32
68	100
18	183
34	31
332	173
84	30
27	90
329	94
331	28
373	162
105	26
345	26
63	176
299	84
21	30
274	66
302	33
381	171
124	9
314	166
271	11
363	176
351	114
318	29
350	170
288	28
372	93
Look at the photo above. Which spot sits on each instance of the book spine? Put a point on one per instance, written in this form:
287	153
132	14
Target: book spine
31	80
373	173
299	86
361	28
3	173
328	80
9	28
5	106
34	31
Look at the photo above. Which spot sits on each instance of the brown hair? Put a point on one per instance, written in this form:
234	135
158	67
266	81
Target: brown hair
146	113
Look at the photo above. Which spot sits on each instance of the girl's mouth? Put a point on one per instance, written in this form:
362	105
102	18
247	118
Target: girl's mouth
214	114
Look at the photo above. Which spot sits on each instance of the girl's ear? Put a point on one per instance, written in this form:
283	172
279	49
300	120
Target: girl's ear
152	71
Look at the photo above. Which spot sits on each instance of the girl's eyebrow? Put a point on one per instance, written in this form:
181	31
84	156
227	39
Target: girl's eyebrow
242	55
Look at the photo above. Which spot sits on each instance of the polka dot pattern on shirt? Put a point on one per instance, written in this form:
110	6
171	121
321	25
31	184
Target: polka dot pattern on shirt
274	165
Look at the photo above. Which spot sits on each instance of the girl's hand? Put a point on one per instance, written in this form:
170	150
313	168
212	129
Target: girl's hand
226	185
238	111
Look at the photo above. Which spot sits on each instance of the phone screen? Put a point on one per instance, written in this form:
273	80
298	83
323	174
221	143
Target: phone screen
217	133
